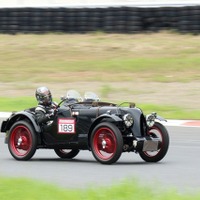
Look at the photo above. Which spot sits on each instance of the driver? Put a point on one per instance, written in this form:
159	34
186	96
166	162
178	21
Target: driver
45	110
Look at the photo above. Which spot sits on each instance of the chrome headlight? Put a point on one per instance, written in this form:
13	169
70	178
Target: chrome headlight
150	119
128	120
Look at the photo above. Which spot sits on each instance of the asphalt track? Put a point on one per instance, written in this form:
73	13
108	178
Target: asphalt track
179	169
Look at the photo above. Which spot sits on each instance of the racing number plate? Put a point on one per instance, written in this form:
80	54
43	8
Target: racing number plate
66	126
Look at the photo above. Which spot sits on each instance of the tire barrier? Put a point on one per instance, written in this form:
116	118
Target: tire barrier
184	19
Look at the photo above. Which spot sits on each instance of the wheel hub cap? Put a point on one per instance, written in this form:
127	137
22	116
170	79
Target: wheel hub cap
22	143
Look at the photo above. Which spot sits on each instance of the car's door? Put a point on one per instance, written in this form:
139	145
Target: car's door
62	129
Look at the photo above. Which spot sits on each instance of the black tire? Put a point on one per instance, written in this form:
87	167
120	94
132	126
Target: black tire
158	130
106	143
67	153
22	141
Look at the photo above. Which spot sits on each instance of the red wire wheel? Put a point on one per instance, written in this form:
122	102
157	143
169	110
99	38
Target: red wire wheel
160	132
22	141
106	143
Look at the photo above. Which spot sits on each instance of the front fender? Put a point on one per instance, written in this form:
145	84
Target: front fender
108	117
112	117
22	115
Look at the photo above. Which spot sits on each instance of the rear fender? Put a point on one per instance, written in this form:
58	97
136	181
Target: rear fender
23	115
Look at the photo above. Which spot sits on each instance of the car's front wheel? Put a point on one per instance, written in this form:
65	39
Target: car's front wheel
67	153
22	141
106	143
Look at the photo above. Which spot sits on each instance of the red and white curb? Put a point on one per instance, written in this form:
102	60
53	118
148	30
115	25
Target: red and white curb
184	123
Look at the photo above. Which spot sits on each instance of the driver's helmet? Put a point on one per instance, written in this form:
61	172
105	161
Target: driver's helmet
43	96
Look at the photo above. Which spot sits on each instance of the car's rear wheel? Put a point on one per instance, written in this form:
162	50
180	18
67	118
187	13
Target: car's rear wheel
106	143
67	153
22	141
157	131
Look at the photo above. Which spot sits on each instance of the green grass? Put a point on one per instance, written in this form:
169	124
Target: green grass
18	188
171	112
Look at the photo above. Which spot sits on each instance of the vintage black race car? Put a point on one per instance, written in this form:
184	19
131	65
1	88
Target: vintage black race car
106	129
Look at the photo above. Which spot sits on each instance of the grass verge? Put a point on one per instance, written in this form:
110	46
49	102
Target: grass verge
20	188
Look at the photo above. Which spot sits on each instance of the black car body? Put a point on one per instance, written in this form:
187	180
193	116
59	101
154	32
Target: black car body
106	129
